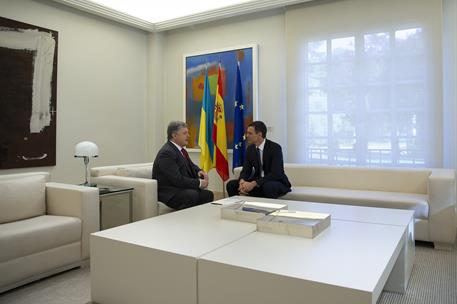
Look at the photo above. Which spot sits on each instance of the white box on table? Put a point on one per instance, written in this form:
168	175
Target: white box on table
296	223
250	212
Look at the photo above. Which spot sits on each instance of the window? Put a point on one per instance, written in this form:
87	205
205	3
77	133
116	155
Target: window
366	100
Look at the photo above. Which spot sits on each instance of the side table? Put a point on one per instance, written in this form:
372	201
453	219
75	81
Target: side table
106	191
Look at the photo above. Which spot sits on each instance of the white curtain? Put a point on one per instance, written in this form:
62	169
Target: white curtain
364	83
450	83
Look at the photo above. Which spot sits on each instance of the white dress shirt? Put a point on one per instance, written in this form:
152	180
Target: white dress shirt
261	147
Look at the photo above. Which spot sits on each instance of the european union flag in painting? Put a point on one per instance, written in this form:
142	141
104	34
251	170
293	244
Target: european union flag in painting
239	140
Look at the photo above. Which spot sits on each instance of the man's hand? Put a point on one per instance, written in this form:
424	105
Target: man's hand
202	174
204	179
203	183
249	186
240	186
246	187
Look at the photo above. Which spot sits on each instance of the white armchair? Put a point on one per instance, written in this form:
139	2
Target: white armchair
139	177
44	227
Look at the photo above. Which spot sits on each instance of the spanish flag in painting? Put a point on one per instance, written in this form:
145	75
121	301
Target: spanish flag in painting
205	139
220	132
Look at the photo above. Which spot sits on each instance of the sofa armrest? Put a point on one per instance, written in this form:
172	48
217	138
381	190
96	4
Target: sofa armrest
77	201
442	205
144	193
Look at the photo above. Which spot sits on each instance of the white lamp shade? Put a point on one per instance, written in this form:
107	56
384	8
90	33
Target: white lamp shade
86	148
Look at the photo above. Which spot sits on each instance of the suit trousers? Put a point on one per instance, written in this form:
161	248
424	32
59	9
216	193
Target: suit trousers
270	189
187	198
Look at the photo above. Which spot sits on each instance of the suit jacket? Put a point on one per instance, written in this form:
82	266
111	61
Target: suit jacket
273	165
173	172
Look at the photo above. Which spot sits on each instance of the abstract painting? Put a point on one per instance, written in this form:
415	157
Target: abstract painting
28	87
195	66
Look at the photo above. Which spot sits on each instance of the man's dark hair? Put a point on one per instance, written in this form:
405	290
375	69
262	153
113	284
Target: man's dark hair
259	126
174	127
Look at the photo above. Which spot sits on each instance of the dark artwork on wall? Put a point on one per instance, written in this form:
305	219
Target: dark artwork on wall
28	89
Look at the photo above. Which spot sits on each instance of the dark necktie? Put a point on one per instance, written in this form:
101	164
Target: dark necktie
259	163
188	162
185	154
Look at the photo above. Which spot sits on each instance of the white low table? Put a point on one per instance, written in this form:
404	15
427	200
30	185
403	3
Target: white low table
400	275
349	262
364	251
158	260
386	216
155	260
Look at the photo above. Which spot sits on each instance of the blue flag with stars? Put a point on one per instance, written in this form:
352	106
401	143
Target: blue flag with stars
239	140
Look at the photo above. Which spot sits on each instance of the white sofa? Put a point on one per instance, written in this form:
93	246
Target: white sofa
44	227
139	177
431	193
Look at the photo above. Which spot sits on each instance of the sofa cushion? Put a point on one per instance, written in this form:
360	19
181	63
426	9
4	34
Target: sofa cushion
404	180
29	236
142	172
22	197
416	202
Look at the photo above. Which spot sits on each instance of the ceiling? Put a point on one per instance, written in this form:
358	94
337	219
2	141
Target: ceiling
155	15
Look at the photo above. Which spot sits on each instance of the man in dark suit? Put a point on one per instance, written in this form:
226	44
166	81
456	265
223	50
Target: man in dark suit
263	169
181	183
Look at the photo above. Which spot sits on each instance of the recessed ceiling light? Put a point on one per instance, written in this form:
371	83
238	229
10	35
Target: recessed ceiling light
157	11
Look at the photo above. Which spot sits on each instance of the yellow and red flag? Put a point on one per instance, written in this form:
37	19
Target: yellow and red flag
219	132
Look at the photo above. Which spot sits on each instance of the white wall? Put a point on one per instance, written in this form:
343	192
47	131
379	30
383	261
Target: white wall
155	122
101	85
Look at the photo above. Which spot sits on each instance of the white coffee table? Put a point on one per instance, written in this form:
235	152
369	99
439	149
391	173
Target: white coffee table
155	260
386	216
159	259
349	262
364	251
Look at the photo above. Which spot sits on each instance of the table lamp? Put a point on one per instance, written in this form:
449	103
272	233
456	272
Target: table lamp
86	150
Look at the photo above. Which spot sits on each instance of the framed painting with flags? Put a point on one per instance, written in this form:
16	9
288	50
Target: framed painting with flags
229	64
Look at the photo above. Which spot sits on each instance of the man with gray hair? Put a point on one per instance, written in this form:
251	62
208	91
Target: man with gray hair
181	183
